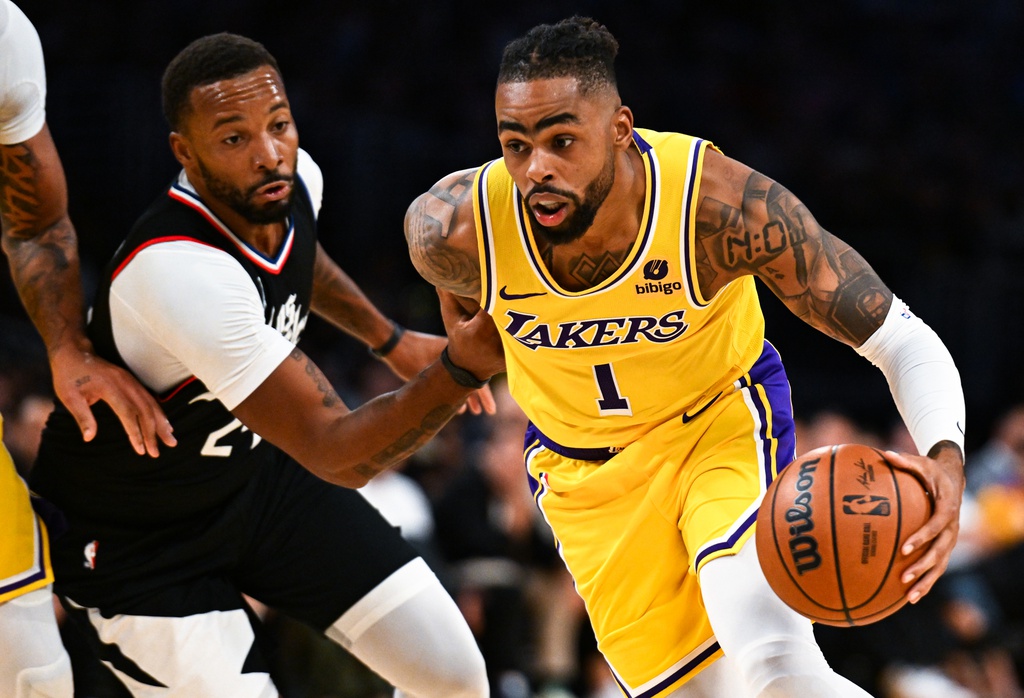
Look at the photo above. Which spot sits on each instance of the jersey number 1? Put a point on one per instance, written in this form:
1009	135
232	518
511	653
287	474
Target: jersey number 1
610	402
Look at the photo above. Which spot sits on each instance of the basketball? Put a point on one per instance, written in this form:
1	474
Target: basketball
829	534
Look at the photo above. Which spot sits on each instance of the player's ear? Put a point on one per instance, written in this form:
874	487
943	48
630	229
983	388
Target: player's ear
181	148
623	122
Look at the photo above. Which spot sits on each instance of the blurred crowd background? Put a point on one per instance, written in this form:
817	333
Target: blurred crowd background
897	123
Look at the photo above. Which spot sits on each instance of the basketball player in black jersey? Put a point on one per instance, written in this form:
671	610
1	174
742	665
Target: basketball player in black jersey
205	302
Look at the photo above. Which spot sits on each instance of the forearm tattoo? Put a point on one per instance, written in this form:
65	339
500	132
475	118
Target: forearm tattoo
773	236
429	223
404	444
330	396
19	197
42	260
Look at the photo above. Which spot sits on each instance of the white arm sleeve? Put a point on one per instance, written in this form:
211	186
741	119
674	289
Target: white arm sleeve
182	309
22	77
924	381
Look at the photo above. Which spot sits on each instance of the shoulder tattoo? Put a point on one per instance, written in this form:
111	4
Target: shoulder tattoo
429	224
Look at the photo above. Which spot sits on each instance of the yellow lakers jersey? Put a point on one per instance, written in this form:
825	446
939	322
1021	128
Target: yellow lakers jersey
600	367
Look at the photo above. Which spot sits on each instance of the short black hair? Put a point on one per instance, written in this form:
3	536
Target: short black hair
577	47
206	60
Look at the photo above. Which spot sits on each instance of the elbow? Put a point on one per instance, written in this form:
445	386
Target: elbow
342	472
352	478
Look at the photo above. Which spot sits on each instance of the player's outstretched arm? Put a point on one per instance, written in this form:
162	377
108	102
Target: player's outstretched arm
296	408
340	301
750	224
42	249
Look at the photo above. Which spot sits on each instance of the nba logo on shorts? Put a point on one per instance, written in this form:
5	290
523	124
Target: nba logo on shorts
90	555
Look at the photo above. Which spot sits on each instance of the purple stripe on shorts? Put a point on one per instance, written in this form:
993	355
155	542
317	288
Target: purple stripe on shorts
41	574
769	372
676	675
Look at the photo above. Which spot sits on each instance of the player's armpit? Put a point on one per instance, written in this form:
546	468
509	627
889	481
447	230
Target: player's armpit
441	234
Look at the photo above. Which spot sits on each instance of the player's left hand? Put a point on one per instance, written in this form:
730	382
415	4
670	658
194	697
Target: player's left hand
81	379
417	350
943	477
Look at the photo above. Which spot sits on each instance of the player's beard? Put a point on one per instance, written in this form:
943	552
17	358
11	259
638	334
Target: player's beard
577	223
241	201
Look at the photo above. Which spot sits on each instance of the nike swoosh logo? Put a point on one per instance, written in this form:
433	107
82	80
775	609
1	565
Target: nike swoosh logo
505	295
687	418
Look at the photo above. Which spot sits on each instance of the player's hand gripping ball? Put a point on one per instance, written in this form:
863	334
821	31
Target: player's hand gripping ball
829	533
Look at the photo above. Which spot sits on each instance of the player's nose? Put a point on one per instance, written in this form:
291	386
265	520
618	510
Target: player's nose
267	152
541	166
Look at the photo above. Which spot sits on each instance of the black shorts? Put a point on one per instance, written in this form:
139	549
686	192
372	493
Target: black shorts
292	541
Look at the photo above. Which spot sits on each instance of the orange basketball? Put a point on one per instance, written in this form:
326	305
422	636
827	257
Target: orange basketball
830	530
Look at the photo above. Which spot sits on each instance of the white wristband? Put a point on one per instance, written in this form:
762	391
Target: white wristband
924	381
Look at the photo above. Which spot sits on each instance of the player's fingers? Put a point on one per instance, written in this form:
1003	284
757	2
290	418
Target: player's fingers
165	431
80	410
142	418
923	586
473	404
930	566
485	398
926	580
904	463
938	523
130	422
450	307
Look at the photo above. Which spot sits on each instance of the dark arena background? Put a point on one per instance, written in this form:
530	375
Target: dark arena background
897	123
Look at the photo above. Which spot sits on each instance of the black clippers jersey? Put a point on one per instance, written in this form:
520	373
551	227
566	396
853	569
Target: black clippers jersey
105	480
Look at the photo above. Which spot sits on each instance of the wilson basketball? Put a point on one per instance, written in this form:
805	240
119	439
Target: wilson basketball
830	530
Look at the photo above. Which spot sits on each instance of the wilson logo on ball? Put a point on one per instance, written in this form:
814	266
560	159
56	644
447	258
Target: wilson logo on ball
803	546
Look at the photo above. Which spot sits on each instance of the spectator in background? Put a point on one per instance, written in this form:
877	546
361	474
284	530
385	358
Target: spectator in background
487	533
995	475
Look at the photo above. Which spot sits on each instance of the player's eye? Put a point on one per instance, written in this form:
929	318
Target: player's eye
516	147
564	141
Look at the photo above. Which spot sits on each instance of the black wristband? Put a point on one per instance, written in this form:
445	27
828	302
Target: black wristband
461	375
389	346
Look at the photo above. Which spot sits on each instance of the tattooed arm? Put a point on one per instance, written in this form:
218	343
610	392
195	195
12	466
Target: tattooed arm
441	234
40	243
296	408
749	224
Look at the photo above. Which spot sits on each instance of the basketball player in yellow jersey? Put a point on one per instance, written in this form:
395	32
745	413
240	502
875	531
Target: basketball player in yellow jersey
619	264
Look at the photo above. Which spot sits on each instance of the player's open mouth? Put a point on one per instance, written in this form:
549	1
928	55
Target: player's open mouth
274	191
549	212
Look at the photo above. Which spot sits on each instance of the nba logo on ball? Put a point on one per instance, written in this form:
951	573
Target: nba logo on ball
829	533
866	505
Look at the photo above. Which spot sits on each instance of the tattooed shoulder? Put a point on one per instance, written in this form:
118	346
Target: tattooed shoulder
441	234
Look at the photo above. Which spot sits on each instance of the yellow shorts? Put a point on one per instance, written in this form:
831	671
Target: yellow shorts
635	529
24	546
